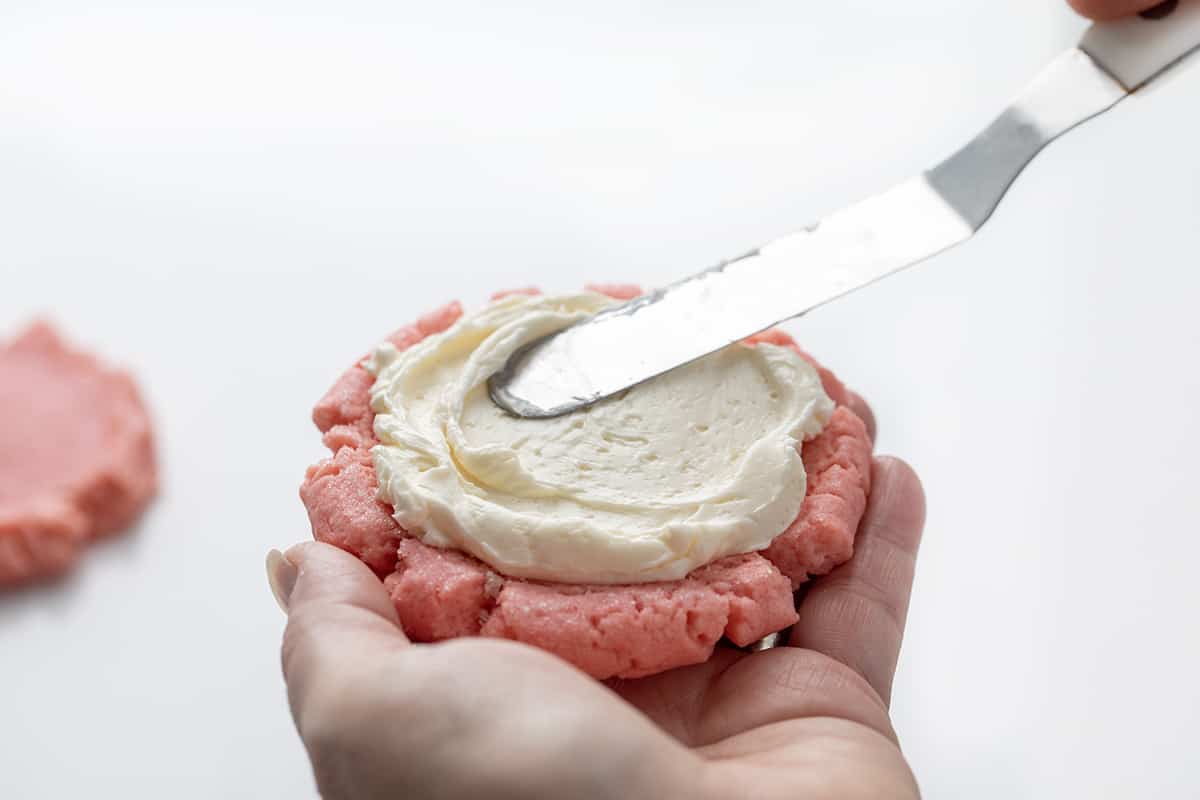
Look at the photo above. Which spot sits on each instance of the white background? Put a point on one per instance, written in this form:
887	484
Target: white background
235	203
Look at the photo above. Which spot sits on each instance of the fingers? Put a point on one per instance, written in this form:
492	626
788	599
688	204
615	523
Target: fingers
1111	9
856	613
340	619
860	407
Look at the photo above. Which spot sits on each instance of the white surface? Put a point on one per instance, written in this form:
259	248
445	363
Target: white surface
187	189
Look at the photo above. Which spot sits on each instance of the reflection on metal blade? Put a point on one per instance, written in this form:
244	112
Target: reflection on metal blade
628	344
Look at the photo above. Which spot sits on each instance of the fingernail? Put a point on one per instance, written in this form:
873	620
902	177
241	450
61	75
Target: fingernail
281	575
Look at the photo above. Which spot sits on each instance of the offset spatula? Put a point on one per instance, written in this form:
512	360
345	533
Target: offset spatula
628	344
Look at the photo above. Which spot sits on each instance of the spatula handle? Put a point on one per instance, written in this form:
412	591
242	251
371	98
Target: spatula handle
1137	49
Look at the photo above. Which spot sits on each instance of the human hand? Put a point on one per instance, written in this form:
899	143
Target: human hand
382	717
1113	9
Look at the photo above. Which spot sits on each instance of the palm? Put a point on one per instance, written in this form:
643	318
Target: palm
789	722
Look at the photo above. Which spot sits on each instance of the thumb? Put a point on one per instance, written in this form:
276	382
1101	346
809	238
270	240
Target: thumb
340	619
1115	9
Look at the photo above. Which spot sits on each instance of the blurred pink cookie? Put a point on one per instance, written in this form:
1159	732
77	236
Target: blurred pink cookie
607	631
76	454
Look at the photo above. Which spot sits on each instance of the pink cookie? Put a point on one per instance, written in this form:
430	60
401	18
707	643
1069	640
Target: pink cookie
607	631
76	454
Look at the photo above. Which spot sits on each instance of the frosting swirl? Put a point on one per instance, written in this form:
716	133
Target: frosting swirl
700	463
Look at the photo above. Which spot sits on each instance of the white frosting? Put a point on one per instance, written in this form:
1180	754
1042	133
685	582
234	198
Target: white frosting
695	465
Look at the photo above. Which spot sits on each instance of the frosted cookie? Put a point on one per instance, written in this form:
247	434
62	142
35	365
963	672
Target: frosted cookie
628	539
